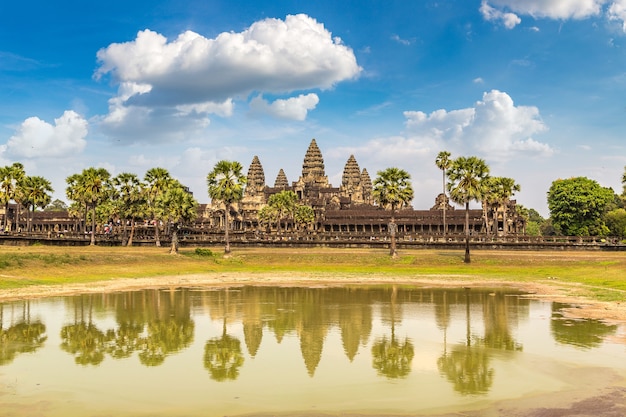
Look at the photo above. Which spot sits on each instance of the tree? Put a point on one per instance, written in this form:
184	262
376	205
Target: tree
226	184
444	163
392	190
130	200
56	205
616	222
284	204
504	188
304	216
10	177
34	192
91	187
157	181
577	206
178	205
467	176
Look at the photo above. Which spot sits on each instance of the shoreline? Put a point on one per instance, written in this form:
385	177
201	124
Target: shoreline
554	291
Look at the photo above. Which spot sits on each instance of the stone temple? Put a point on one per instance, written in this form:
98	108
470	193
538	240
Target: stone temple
349	209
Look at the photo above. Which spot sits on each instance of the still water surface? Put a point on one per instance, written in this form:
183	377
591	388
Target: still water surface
280	350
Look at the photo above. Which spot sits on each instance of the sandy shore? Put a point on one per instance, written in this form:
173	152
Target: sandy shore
549	290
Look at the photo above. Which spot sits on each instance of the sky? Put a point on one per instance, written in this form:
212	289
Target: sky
537	88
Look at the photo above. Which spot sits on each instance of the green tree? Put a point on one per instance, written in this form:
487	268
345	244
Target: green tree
179	206
91	188
226	184
304	216
467	176
130	201
56	205
392	190
10	178
157	181
504	189
34	192
616	222
284	204
444	163
577	206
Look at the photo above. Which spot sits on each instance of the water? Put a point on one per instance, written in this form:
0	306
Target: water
277	350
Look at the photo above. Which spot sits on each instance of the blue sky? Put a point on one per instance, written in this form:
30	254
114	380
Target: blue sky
535	87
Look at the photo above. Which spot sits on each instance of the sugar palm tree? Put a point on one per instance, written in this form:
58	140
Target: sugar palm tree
392	190
226	185
90	188
130	199
444	163
178	205
35	192
157	181
284	204
466	177
10	177
504	189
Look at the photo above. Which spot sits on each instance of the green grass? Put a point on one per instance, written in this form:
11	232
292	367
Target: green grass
602	275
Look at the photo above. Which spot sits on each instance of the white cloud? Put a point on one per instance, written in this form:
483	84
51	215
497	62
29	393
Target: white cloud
167	84
509	20
36	138
617	11
401	41
494	127
507	11
294	108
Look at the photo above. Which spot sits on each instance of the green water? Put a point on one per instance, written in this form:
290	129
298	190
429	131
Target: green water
293	351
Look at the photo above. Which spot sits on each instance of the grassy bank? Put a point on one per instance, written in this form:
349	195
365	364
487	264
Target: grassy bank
603	274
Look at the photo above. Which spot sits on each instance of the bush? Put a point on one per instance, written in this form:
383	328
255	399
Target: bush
203	252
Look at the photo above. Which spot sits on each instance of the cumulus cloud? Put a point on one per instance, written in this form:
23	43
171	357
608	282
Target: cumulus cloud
36	138
193	76
294	108
494	127
509	20
507	11
617	11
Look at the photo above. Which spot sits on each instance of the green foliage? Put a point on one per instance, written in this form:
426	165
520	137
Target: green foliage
392	188
577	206
616	222
203	252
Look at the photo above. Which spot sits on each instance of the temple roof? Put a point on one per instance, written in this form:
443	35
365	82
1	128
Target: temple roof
281	180
256	177
313	165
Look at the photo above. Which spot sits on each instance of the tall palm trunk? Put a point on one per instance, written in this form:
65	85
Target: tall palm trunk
132	233
226	223
174	247
157	234
467	234
445	203
92	241
392	225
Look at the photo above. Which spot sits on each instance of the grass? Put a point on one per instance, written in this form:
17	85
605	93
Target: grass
602	274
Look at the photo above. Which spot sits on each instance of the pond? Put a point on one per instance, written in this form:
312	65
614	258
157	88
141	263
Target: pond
264	350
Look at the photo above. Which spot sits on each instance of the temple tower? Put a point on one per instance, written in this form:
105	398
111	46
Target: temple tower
256	178
351	181
313	173
281	180
366	185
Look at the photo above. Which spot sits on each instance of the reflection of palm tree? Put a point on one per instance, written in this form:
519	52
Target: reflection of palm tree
124	341
497	332
85	341
467	366
223	356
581	333
23	337
391	357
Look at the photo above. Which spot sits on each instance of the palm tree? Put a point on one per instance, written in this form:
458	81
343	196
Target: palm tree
392	189
157	181
466	176
90	188
178	205
284	204
504	188
34	192
130	199
226	184
444	163
10	177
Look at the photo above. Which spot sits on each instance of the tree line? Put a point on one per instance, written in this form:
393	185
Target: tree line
578	206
